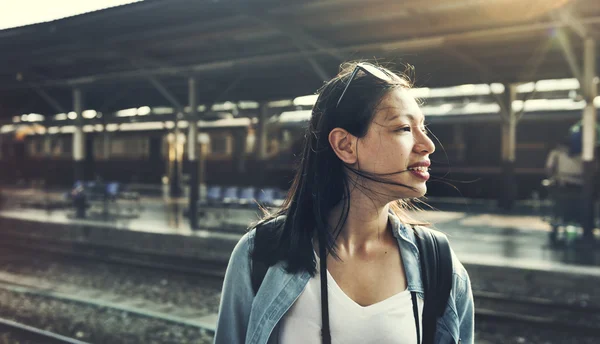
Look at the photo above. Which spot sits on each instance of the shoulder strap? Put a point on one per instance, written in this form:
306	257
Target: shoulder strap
436	270
265	234
259	267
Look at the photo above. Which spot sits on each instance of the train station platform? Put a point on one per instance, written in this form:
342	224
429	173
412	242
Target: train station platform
476	233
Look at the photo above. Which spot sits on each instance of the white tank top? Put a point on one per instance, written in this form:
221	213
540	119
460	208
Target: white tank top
386	322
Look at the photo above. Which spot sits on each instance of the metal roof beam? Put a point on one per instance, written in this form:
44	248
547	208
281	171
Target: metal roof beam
573	23
317	68
529	72
157	85
165	92
486	74
298	35
53	102
569	54
422	6
232	85
538	57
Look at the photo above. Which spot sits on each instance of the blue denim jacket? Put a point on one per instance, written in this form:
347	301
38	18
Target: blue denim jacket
246	318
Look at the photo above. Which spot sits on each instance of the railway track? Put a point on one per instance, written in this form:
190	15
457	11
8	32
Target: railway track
535	312
34	334
96	298
169	314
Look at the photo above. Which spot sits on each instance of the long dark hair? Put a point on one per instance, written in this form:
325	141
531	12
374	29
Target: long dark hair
322	181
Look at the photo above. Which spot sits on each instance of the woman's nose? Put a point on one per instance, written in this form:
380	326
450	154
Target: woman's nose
424	144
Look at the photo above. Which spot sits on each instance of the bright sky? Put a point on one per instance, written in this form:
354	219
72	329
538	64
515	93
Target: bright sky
15	13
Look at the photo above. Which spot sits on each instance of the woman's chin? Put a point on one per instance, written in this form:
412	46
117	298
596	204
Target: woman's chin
417	192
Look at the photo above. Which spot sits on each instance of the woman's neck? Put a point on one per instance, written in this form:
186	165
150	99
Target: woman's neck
365	228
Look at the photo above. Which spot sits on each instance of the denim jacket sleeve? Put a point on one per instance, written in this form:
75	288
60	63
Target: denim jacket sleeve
236	296
463	296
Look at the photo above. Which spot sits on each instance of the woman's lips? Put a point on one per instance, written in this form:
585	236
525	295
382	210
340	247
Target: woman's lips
420	174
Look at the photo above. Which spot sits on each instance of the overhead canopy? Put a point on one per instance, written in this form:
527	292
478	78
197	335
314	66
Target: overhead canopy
271	49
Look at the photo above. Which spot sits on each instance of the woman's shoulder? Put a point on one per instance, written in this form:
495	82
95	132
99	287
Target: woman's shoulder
240	255
247	240
255	236
458	268
269	222
264	234
461	283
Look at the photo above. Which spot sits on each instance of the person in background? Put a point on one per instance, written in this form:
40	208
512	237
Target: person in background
564	168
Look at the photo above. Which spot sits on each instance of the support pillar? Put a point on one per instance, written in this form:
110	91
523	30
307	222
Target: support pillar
78	136
239	151
105	143
47	151
509	140
203	140
174	187
193	154
261	132
589	137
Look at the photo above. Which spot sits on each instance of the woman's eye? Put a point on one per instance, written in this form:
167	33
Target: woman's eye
424	130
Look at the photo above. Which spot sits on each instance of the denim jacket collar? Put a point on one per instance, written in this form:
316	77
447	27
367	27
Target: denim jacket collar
409	252
281	289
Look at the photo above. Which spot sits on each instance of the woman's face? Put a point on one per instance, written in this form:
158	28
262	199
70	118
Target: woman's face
397	141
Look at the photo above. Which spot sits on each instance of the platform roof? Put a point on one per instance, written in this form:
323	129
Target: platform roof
272	49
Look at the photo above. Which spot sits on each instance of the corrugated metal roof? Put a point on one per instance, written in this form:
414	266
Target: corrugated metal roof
267	49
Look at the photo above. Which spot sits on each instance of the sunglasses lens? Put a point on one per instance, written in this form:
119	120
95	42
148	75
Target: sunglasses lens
367	69
376	72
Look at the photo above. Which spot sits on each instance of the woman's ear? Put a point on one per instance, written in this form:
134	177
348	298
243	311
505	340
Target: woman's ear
344	145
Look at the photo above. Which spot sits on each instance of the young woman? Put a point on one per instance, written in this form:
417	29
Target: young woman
343	229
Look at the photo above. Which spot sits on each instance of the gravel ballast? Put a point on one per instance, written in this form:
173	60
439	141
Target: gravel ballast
169	288
94	325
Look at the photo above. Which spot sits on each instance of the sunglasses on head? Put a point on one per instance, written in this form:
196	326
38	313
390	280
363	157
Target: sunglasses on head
369	69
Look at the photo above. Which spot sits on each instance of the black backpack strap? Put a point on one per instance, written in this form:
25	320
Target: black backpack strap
259	267
436	270
264	236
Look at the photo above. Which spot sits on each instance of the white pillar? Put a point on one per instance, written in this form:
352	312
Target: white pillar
193	153
590	92
589	138
78	136
509	126
175	171
509	143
